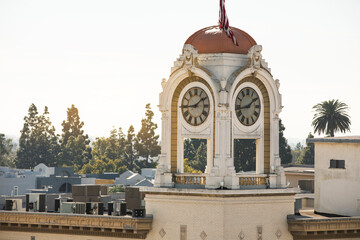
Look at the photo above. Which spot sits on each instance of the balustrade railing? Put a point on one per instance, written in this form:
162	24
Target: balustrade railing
191	179
249	180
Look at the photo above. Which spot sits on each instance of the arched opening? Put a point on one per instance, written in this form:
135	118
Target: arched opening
65	188
195	155
245	155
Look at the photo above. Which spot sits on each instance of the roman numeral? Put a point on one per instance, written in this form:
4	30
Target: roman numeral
252	119
204	113
189	119
242	119
200	119
190	93
206	105
256	114
247	121
239	113
247	91
257	106
243	93
195	91
195	121
186	113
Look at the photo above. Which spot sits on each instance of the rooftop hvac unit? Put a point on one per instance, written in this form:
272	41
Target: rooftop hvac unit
67	207
13	204
35	202
58	202
80	208
72	207
95	208
117	208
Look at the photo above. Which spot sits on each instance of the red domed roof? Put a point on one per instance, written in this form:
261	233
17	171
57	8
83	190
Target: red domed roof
214	40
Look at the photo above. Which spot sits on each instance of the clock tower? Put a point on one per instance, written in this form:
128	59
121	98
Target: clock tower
220	92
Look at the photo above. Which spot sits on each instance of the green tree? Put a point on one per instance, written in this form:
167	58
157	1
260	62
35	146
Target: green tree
296	152
38	142
189	150
75	148
330	117
307	155
245	155
109	151
200	160
7	153
195	152
130	155
146	141
284	148
188	168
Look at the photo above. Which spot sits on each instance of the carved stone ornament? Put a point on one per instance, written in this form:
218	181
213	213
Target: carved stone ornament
278	234
162	233
203	235
189	55
255	58
259	233
241	235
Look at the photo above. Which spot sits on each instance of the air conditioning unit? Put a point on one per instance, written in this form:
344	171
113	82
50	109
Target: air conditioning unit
35	202
67	207
13	204
80	208
95	208
60	200
117	208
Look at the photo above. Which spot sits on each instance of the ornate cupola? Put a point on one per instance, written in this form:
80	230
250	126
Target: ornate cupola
220	89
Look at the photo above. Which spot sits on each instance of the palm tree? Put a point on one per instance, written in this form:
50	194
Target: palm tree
331	116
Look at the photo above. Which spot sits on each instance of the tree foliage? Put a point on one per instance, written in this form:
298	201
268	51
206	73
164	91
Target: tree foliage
330	117
38	142
146	141
107	154
307	155
75	148
129	151
244	155
195	152
7	153
284	148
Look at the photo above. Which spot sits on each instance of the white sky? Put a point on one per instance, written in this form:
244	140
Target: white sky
108	56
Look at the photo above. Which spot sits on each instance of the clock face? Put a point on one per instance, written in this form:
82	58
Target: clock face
247	106
195	106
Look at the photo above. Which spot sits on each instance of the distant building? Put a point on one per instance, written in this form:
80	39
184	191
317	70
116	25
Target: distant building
19	181
337	179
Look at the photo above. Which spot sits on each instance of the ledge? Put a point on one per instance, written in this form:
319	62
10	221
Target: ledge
323	228
219	193
76	224
349	139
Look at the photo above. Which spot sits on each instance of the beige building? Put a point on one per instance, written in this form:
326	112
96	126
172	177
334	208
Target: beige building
337	179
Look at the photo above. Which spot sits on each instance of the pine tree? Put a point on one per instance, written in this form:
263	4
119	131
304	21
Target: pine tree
245	155
7	153
75	148
284	148
38	142
307	155
146	142
130	155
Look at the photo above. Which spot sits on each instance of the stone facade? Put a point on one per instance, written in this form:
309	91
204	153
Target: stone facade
219	214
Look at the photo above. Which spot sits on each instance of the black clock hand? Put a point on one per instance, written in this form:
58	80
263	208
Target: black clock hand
194	105
248	105
202	99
